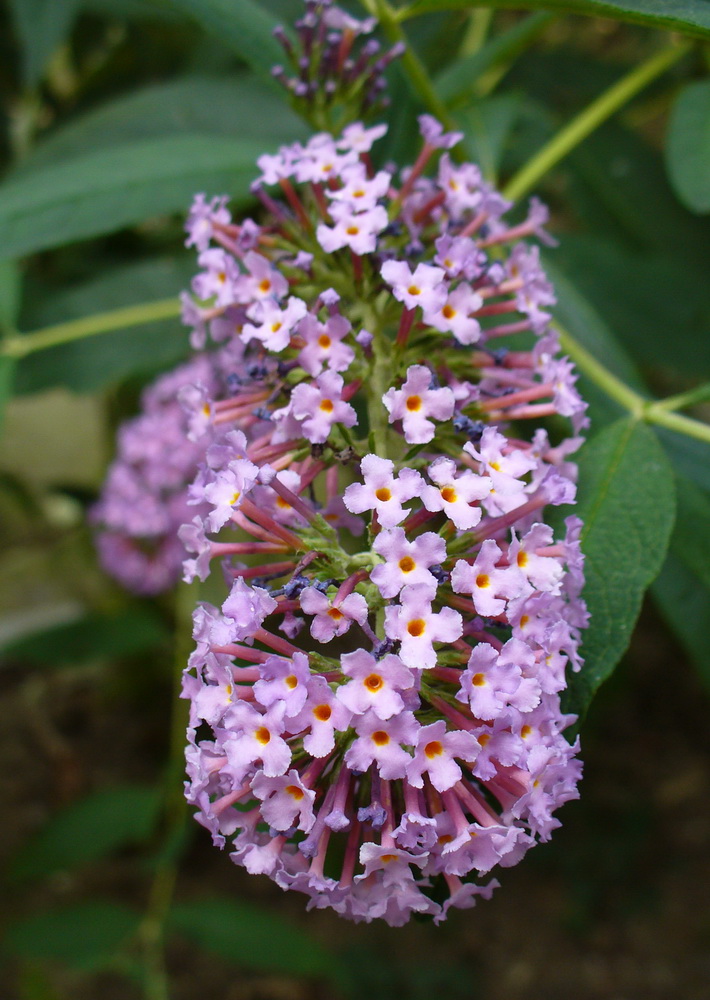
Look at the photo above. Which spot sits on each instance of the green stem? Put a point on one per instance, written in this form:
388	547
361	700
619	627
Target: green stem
152	929
612	386
677	422
591	118
20	346
476	31
412	64
651	412
692	397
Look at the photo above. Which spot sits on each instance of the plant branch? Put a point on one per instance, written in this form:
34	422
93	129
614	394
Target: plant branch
677	422
20	345
650	411
152	928
601	376
692	397
591	118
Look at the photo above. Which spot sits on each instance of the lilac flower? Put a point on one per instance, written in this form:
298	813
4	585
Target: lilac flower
320	405
489	585
245	609
434	754
324	344
284	682
285	799
423	287
455	315
323	715
382	491
360	193
275	325
375	684
332	618
379	742
256	737
406	562
203	217
417	626
353	228
455	494
433	133
415	403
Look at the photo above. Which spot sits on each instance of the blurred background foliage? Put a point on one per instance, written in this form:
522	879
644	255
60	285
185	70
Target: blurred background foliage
114	112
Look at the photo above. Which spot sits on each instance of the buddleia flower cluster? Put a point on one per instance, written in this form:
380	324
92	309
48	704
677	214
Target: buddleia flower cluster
375	713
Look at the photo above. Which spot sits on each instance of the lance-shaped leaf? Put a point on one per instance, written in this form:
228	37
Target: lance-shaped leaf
689	16
627	503
106	189
688	148
89	830
245	26
682	591
84	936
251	937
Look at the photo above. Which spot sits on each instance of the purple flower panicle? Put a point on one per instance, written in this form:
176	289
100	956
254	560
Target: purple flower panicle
375	706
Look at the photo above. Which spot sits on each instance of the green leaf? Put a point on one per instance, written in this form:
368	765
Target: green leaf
487	126
688	146
689	16
682	591
251	937
88	830
148	10
237	106
94	362
106	189
623	175
690	457
136	630
642	297
460	77
626	500
42	25
684	604
85	936
243	25
691	536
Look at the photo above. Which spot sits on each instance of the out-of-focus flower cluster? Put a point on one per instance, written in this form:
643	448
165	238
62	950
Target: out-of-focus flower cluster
375	705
